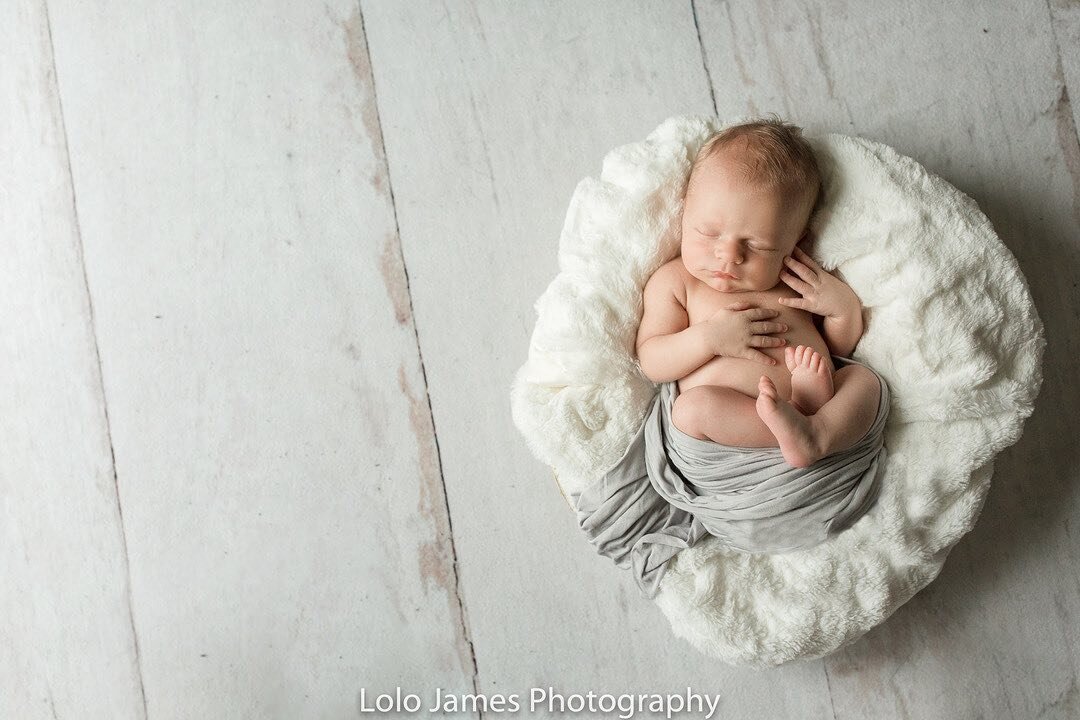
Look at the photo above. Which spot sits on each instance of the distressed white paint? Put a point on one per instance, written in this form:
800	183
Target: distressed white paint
498	111
65	618
287	533
267	383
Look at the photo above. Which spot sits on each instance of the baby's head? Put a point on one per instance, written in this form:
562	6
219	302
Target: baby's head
751	192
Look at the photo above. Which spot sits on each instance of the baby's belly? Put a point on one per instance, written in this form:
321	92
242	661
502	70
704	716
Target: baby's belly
743	375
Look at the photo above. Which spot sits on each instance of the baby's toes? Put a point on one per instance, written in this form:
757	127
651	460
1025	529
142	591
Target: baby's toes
789	358
803	355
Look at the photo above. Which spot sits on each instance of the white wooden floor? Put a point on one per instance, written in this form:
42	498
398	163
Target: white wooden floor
267	270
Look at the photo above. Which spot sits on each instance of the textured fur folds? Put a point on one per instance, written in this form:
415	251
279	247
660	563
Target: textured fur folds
950	324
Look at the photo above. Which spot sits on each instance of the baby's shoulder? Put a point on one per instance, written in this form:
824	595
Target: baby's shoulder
671	277
673	272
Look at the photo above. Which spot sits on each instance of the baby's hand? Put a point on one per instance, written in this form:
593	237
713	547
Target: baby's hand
737	329
822	293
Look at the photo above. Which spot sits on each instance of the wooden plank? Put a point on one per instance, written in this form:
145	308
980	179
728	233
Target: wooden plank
1065	24
973	91
496	112
288	535
67	648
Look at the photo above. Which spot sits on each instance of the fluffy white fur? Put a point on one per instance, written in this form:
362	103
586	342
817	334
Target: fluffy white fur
950	324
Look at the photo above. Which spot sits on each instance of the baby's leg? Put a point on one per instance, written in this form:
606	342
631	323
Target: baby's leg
848	420
721	414
838	424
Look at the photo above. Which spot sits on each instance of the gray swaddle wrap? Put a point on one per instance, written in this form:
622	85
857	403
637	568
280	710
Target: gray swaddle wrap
669	490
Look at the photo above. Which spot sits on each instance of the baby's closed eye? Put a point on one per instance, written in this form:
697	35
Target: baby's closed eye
756	245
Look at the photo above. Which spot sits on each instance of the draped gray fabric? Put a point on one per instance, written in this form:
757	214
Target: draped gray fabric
669	490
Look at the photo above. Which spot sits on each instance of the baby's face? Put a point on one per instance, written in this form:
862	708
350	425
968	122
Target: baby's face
742	231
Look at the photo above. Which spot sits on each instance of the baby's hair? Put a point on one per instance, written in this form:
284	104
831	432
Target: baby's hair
774	155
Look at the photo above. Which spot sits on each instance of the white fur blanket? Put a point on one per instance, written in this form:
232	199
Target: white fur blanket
950	324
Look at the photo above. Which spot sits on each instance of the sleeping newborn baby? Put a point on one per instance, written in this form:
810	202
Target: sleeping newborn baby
744	319
762	434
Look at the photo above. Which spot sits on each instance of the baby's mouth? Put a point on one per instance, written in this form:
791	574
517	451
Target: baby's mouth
724	275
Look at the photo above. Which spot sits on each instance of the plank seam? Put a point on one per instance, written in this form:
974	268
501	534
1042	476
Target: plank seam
97	358
704	61
1068	136
462	610
828	687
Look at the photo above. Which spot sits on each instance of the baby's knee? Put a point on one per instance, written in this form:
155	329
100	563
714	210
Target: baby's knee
689	410
683	409
858	375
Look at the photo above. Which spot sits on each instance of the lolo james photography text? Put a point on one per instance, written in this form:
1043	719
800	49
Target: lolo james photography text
547	700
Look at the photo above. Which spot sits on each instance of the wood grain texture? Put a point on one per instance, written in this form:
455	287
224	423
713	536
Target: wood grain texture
1065	27
974	94
494	112
287	528
67	648
288	274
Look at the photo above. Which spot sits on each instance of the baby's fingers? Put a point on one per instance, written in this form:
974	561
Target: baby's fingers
803	288
805	258
758	356
761	313
801	303
766	341
803	271
766	328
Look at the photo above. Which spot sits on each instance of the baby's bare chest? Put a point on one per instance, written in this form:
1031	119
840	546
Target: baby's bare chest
743	374
704	302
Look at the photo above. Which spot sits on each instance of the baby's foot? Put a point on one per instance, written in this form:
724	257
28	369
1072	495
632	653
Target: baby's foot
799	436
811	378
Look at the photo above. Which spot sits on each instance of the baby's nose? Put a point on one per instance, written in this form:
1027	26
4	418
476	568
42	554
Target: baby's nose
730	251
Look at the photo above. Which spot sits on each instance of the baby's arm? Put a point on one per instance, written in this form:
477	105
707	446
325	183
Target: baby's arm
827	295
842	332
667	348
